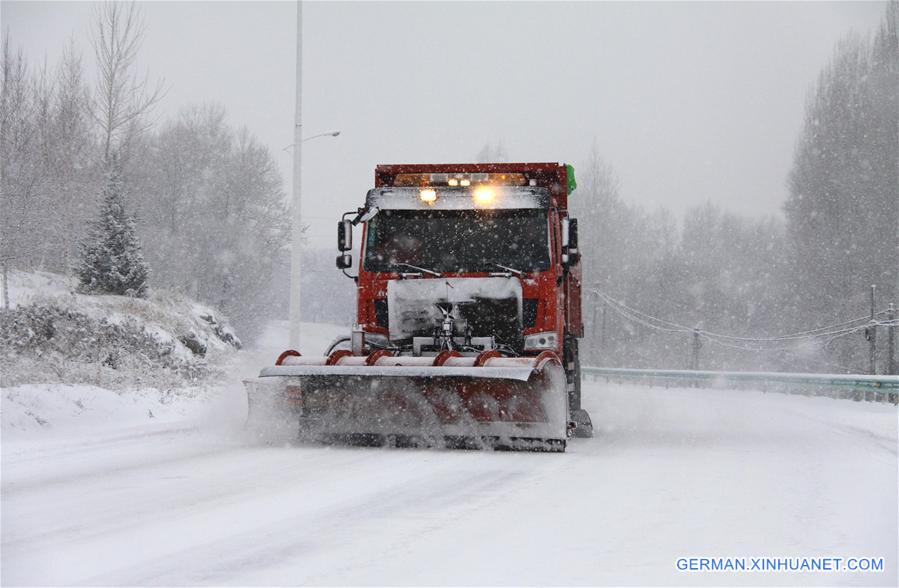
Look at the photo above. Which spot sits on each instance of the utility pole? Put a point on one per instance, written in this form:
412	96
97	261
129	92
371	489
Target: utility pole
872	334
697	344
605	306
4	269
891	341
296	216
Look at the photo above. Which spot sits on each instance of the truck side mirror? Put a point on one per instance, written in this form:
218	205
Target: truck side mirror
344	261
570	253
344	235
574	254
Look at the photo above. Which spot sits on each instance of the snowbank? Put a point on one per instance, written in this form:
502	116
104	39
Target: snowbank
53	334
34	407
67	411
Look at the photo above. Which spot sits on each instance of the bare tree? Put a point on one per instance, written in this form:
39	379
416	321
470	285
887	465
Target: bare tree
73	176
122	99
19	177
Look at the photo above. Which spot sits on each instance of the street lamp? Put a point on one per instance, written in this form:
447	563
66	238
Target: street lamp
325	134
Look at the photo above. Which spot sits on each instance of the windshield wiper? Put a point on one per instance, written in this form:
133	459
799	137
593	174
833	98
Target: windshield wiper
512	270
420	269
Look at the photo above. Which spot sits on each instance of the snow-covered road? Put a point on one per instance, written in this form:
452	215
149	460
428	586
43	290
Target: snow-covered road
671	473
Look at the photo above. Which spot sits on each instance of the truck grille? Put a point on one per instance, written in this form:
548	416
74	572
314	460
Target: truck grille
494	317
381	313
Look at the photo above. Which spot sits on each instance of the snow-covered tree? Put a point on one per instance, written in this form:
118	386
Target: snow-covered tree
110	259
212	213
843	207
73	171
20	177
49	172
716	269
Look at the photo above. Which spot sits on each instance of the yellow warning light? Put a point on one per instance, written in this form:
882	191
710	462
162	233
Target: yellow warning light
428	195
483	195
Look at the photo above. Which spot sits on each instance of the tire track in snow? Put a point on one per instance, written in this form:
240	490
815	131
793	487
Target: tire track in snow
441	497
86	510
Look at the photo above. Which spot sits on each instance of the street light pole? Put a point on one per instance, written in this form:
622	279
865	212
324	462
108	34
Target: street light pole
296	217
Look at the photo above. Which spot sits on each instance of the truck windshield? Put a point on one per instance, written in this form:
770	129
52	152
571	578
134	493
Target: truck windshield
458	240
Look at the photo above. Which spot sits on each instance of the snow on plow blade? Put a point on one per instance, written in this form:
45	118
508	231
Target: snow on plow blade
515	403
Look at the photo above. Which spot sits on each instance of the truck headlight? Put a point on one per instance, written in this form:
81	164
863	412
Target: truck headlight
428	195
483	195
536	341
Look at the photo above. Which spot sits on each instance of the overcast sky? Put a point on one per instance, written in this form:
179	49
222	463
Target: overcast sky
689	102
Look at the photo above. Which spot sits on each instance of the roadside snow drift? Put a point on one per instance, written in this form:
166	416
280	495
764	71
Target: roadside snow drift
51	333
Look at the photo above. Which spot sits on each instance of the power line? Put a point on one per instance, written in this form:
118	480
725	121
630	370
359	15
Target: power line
746	345
636	319
672	326
799	335
833	331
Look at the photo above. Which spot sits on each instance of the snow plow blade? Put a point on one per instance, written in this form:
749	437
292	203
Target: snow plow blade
487	401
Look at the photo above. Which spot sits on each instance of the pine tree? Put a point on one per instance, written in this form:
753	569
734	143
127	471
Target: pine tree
110	259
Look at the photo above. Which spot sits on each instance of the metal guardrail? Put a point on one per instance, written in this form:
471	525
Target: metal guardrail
848	386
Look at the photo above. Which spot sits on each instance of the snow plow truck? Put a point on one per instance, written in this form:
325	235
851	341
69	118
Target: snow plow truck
468	316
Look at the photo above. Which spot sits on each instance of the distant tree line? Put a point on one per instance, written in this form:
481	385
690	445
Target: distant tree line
201	198
755	278
843	206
